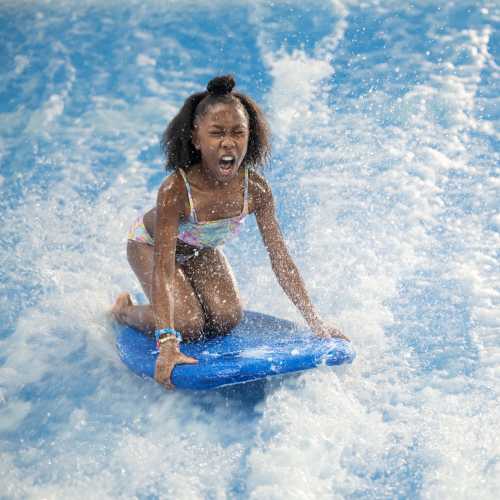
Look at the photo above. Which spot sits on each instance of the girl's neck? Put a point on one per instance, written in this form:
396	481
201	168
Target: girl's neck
208	182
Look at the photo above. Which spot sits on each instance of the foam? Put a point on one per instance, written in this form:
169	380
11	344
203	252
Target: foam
390	210
397	250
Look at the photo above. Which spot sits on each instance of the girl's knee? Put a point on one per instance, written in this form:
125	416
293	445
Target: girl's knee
225	318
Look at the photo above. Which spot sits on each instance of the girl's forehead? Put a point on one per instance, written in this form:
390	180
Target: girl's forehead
223	112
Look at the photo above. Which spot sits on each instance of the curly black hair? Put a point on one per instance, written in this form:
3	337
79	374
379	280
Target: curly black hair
177	142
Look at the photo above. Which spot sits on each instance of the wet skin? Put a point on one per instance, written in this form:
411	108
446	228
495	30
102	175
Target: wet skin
222	131
196	292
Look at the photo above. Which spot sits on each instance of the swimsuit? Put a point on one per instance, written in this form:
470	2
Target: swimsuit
197	234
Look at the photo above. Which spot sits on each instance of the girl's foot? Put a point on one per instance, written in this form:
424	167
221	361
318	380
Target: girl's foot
123	301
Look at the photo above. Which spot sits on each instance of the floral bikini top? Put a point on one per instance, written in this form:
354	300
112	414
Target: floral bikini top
211	233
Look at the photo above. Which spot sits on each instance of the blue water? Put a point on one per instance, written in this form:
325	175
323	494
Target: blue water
385	170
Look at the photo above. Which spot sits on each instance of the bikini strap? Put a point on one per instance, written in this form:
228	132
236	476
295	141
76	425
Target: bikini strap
192	211
245	195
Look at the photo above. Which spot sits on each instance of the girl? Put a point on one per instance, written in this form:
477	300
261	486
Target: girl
214	145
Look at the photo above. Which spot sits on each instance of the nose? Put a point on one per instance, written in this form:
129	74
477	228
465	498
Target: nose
227	141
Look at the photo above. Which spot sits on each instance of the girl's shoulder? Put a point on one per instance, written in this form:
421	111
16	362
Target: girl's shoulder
172	190
259	189
257	182
174	182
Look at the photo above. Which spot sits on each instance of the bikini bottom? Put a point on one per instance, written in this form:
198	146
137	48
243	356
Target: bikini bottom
138	232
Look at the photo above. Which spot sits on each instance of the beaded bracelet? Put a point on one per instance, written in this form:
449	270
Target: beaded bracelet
170	332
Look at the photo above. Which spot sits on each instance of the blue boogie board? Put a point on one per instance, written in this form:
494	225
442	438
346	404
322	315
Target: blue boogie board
260	346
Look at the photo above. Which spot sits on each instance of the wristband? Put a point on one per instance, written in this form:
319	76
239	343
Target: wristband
171	332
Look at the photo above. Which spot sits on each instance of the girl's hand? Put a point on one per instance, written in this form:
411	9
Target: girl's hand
329	332
169	356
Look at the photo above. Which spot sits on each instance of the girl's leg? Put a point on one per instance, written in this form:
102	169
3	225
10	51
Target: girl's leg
213	280
189	317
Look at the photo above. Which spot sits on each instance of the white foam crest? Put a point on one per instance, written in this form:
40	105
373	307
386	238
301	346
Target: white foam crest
305	446
153	451
291	101
470	467
325	49
302	76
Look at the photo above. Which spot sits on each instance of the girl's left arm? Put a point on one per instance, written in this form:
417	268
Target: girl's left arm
282	263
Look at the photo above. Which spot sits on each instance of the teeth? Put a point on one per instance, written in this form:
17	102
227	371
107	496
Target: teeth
227	158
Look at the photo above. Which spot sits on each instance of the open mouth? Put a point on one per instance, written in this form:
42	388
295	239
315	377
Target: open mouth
226	163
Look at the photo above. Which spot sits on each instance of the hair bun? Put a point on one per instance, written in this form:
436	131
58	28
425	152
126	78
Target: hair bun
221	85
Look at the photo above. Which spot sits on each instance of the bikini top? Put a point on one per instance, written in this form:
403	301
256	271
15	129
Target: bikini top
211	233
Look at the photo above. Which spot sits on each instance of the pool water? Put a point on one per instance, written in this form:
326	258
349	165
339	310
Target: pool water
385	172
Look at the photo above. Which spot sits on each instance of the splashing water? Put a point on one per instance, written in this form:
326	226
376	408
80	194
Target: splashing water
385	172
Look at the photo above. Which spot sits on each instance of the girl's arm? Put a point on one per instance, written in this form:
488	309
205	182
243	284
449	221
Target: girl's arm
282	263
168	210
169	207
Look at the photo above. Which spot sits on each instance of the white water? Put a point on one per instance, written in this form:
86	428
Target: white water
386	176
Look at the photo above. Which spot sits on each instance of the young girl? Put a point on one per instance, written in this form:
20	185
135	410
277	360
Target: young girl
214	146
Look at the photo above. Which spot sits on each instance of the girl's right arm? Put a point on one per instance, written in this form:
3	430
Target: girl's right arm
168	211
169	208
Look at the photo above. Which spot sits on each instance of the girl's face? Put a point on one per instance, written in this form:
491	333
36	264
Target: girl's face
221	135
